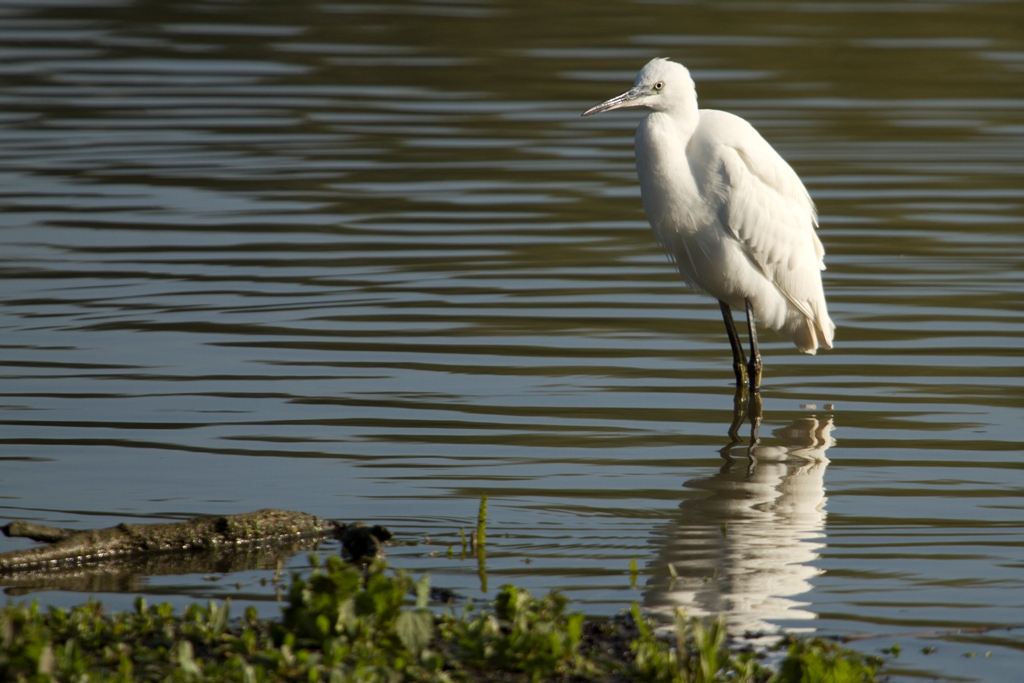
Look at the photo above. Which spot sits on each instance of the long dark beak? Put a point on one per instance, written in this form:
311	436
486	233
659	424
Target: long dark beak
630	98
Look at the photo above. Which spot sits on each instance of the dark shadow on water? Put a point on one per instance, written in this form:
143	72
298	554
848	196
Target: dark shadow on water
746	537
128	575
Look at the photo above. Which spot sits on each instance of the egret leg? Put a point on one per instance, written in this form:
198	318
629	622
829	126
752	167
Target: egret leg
739	362
754	369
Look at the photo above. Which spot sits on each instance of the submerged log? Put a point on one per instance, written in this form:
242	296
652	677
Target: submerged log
69	548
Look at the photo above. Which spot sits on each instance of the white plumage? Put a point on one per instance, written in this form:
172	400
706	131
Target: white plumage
730	212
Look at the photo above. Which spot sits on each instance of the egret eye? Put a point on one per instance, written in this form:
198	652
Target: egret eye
659	85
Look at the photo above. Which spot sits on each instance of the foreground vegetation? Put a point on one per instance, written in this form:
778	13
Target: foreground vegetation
346	624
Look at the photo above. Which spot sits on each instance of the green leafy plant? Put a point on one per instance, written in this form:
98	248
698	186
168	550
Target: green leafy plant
525	634
341	623
815	660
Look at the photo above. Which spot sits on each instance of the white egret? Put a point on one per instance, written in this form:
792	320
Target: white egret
730	212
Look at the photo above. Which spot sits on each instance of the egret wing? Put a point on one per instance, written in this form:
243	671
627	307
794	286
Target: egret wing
765	207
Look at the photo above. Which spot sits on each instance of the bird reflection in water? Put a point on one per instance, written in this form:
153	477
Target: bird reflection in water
745	542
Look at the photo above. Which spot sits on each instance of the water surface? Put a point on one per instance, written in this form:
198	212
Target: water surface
367	261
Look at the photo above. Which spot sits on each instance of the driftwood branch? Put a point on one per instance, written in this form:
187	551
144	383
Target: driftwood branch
264	527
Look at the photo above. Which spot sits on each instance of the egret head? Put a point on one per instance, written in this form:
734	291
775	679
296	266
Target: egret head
662	85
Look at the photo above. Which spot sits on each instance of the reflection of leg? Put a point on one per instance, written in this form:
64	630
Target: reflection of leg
755	424
754	369
739	414
738	361
755	419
